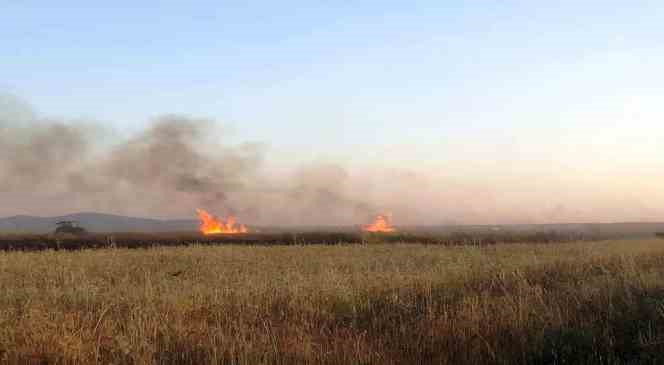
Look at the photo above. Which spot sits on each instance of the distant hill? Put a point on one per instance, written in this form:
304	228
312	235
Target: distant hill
95	222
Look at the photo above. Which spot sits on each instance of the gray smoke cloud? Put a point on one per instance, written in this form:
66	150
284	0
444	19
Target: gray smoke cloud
177	164
31	157
322	193
170	155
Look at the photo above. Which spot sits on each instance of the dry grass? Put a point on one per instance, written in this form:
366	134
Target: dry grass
599	302
37	242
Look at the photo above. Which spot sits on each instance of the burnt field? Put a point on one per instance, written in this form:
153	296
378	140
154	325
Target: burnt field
36	242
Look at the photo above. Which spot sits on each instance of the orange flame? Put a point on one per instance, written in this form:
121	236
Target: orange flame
380	224
212	225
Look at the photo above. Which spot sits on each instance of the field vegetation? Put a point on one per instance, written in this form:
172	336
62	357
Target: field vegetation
36	242
585	302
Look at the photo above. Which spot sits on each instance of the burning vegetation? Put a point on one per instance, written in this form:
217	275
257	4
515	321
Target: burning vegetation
380	224
213	225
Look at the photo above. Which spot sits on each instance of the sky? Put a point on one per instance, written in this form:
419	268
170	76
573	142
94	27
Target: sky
555	104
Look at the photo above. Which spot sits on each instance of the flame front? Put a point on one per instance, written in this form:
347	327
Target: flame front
380	224
212	225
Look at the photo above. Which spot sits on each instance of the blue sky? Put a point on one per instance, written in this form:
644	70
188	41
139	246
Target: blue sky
472	86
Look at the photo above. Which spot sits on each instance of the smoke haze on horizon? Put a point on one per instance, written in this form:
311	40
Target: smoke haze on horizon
180	163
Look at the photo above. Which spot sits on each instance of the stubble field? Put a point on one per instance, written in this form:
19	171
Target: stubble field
586	302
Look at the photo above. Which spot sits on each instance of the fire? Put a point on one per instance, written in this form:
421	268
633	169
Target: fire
380	224
212	225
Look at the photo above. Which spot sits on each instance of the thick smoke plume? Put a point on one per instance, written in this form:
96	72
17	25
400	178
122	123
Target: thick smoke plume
177	164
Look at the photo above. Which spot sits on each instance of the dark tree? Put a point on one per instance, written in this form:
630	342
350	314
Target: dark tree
70	227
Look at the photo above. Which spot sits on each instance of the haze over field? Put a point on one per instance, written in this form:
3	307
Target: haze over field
328	114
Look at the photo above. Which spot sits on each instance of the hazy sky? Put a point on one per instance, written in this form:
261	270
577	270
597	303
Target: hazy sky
558	103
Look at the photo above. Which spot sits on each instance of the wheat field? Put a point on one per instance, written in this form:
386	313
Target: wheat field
590	302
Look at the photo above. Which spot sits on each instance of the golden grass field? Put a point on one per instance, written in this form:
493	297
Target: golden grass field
591	302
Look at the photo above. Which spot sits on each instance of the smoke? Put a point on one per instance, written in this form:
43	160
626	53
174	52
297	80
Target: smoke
171	155
322	194
177	164
33	157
